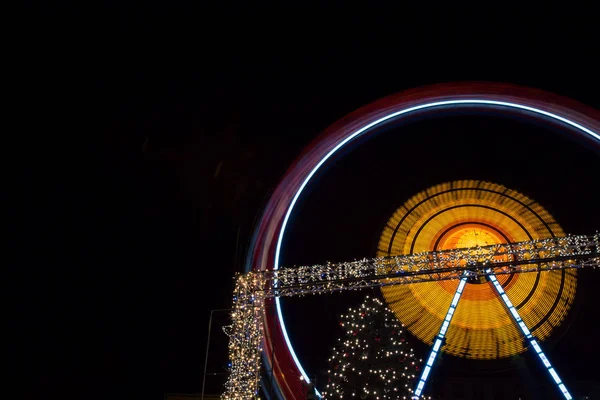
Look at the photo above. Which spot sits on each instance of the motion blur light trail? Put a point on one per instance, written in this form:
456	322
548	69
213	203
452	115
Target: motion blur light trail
470	214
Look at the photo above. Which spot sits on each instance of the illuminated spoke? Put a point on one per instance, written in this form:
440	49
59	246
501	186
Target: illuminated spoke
439	340
534	344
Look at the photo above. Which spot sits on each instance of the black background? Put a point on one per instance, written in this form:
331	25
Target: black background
122	228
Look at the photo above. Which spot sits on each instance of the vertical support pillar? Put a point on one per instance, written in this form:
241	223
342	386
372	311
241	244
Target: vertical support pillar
245	339
439	339
534	344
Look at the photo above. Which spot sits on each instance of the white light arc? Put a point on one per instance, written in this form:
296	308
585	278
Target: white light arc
365	128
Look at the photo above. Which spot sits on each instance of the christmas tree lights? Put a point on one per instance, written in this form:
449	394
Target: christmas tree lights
373	360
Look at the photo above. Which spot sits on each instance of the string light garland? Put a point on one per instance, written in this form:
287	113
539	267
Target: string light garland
245	340
373	360
569	252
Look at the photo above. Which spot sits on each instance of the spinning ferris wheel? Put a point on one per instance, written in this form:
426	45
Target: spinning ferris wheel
471	268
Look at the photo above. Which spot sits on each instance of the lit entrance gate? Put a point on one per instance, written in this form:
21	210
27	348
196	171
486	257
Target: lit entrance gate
252	288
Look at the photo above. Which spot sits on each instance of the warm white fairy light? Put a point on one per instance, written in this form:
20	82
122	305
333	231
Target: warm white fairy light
245	343
552	254
374	344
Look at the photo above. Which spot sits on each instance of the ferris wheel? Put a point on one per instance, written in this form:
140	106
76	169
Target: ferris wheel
474	269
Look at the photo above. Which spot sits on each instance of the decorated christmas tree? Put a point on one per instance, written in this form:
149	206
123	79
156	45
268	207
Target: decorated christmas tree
373	359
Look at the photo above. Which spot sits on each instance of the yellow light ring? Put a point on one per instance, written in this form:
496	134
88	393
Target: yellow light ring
465	214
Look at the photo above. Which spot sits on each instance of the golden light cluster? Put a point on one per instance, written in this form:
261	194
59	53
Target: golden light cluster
468	214
373	360
245	339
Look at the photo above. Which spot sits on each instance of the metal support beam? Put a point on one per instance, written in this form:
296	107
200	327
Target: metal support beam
531	256
534	344
439	339
207	347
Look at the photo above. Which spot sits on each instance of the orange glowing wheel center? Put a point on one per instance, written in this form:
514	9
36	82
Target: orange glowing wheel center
470	214
471	236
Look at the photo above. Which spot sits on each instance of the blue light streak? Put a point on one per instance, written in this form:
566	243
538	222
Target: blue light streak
534	344
439	339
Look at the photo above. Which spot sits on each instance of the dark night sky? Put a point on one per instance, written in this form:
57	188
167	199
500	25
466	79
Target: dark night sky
153	134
